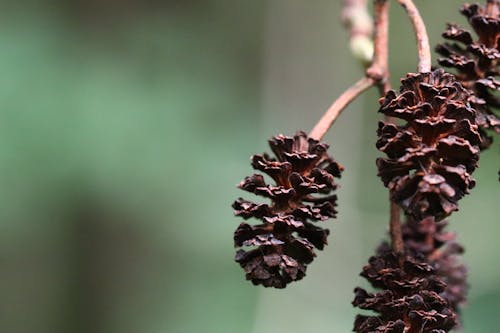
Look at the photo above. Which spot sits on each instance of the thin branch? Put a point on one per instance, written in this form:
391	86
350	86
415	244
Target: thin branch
356	18
424	50
338	106
376	74
379	69
395	229
492	8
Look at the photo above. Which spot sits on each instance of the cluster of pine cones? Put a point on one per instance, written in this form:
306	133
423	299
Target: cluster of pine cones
444	120
431	154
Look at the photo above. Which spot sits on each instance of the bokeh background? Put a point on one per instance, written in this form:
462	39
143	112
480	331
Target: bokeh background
124	128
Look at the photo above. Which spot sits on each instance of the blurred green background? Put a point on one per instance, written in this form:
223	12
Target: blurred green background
124	128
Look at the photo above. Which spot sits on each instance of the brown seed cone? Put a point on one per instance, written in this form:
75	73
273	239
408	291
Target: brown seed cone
431	280
476	62
410	298
431	156
283	245
442	252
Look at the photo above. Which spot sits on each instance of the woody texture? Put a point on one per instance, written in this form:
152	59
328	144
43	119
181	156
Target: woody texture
434	128
422	290
475	60
282	245
431	156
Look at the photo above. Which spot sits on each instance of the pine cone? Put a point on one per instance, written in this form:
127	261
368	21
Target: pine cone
410	299
431	156
442	252
477	61
433	277
283	244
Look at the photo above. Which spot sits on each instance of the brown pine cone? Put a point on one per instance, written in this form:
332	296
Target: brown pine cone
410	298
477	61
283	244
442	252
434	281
431	156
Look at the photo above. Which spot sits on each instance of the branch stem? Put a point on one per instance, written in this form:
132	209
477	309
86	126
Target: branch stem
379	69
492	8
424	50
376	74
338	106
395	229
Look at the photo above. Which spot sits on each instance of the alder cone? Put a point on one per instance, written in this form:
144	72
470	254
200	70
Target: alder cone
476	61
410	298
431	156
279	249
442	252
422	291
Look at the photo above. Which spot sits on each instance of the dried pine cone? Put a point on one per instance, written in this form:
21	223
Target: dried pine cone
283	244
431	156
477	61
429	279
442	252
411	297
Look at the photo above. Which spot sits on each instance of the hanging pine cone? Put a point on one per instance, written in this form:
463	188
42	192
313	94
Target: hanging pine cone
430	156
442	252
477	61
283	244
430	280
411	297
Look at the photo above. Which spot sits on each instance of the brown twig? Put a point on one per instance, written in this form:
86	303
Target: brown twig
492	8
395	229
338	106
376	73
379	69
424	50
